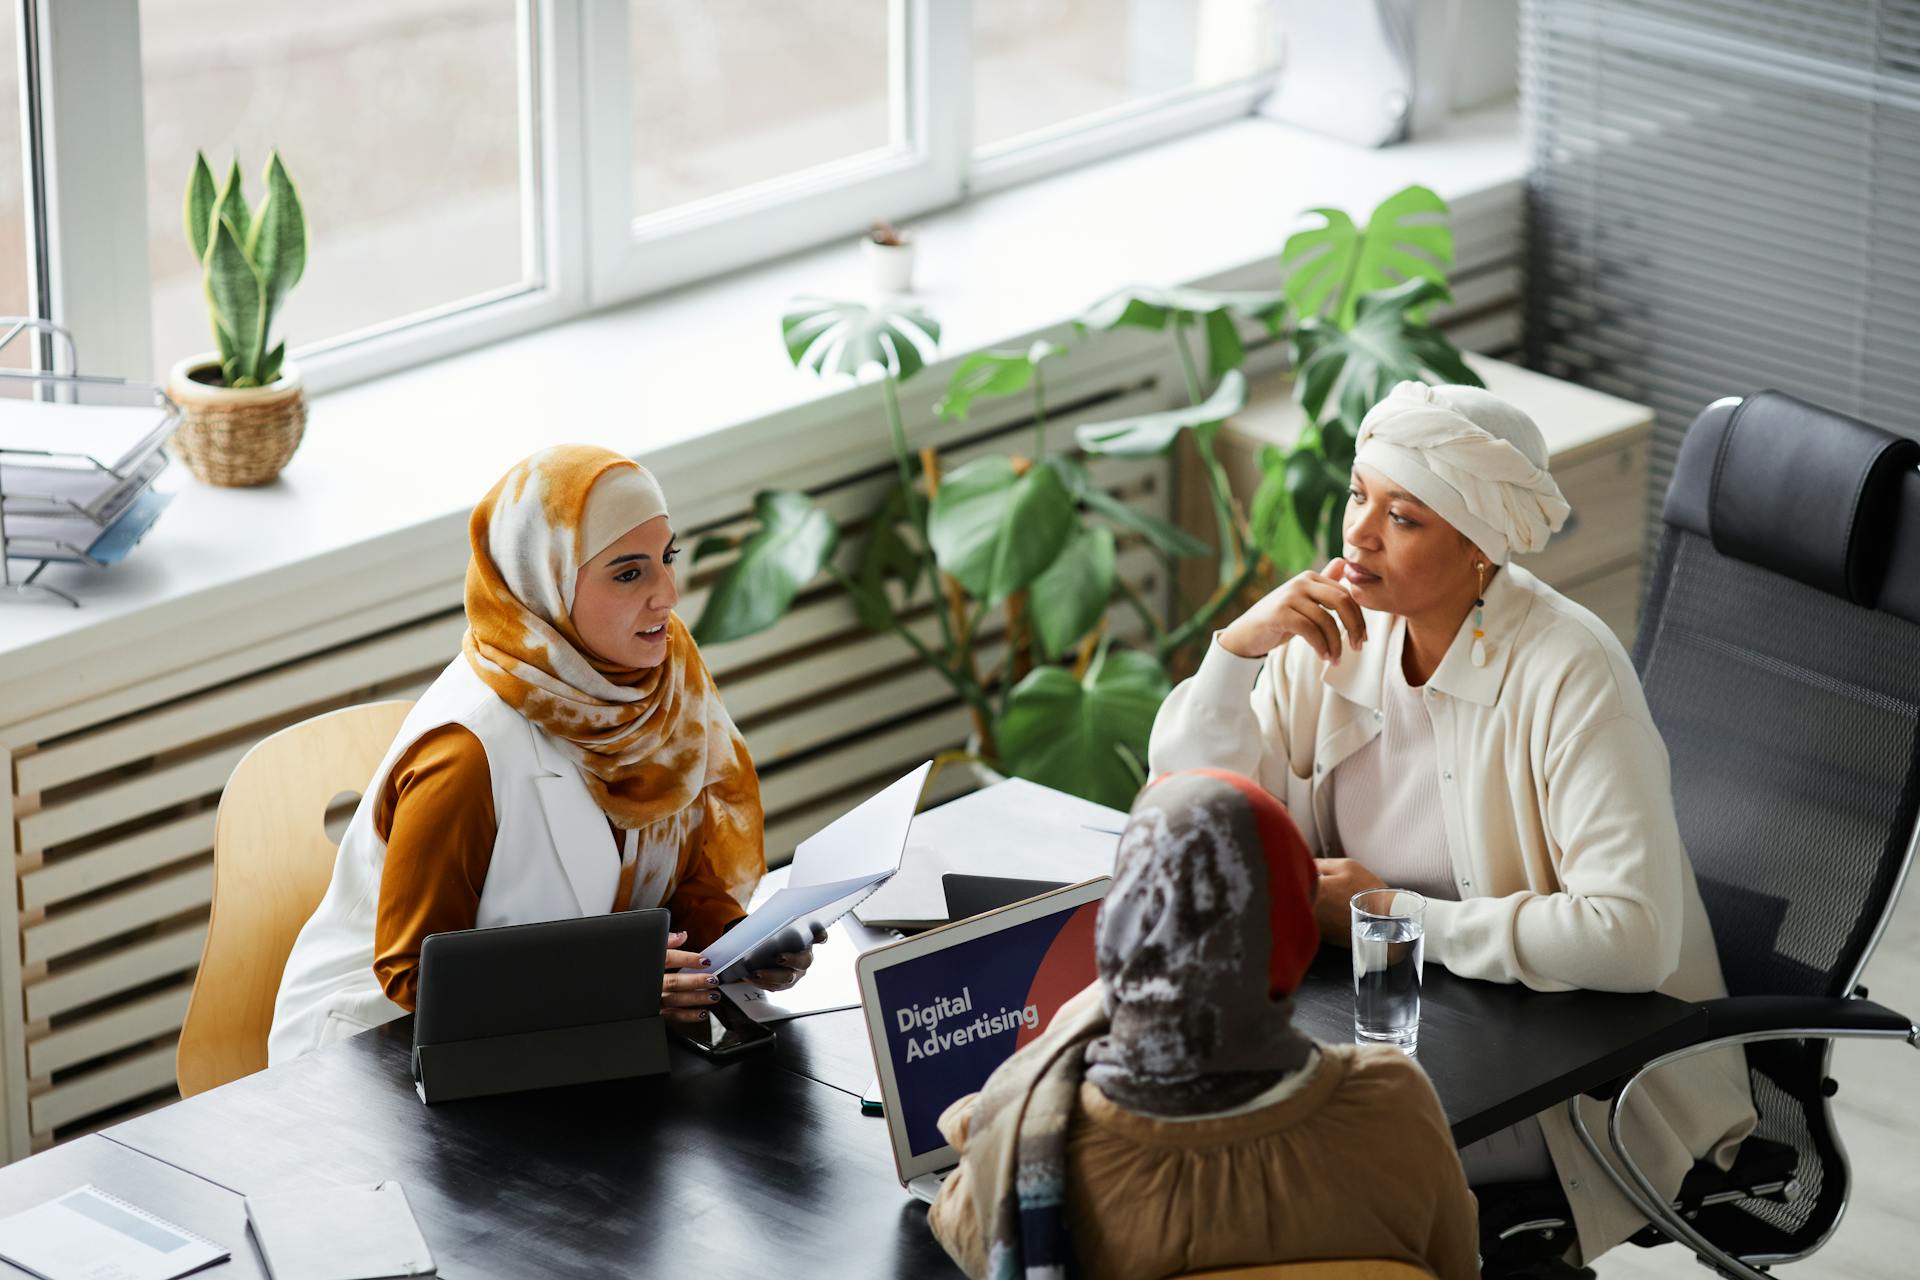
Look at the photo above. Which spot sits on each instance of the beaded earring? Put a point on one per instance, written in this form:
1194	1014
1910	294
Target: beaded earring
1480	617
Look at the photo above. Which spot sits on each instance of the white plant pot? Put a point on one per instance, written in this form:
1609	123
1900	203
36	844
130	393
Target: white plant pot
889	265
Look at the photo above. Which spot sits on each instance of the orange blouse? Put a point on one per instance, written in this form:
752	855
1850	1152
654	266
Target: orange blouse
436	816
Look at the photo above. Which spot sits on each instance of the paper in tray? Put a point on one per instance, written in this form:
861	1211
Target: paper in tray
78	540
46	489
115	437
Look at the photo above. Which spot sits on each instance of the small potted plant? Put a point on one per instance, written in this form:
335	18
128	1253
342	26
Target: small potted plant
889	252
243	408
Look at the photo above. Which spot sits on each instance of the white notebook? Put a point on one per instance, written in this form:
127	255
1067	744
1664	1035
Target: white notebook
339	1233
90	1235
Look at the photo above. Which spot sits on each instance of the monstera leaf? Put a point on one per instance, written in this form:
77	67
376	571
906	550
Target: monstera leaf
793	543
1353	369
1329	268
1168	537
846	337
1149	307
994	529
992	373
1148	434
1070	595
1086	736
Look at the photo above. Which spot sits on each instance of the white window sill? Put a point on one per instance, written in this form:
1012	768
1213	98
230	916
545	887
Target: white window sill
691	381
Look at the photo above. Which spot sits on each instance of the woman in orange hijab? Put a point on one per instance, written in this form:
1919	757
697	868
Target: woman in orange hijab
575	759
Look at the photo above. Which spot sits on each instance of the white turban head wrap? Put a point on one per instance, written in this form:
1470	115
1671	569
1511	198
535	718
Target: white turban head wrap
1480	463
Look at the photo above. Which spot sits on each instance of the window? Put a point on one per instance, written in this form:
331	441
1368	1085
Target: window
401	124
1039	65
473	169
16	261
752	129
730	94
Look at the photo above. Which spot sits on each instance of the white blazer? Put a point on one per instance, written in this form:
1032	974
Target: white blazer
550	862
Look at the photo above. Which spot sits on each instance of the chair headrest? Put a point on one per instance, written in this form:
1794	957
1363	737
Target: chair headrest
1809	493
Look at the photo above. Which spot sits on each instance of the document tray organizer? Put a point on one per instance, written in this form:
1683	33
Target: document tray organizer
540	1059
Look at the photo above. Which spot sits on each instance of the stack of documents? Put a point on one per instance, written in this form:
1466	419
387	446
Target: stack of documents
77	479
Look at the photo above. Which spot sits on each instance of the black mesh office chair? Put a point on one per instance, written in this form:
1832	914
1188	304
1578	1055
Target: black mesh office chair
1780	652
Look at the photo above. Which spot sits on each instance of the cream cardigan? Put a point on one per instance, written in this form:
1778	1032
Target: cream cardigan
1560	825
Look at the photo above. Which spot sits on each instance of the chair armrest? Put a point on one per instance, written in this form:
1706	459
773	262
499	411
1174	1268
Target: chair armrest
1801	1016
1734	1018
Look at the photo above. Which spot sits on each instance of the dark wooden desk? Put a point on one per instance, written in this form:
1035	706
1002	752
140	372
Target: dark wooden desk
193	1203
745	1170
762	1168
1496	1053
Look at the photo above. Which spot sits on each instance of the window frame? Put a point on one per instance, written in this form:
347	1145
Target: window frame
928	68
575	124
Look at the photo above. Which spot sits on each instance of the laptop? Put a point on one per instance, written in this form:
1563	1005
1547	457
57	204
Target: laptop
975	895
946	1007
536	993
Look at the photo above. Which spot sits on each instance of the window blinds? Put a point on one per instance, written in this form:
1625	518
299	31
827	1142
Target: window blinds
1725	196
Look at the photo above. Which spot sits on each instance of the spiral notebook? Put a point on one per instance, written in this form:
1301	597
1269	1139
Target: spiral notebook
87	1234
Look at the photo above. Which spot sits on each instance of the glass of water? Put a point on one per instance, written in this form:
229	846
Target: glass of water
1389	942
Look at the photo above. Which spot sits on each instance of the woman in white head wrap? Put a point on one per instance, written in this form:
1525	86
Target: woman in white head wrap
1437	719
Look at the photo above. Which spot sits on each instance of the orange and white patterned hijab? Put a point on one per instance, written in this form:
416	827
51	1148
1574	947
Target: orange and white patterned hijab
656	748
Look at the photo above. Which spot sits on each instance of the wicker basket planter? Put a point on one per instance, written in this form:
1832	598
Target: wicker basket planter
236	436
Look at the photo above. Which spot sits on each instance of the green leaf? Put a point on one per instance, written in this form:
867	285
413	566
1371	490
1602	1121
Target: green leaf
1148	307
232	206
198	211
1071	734
271	362
995	530
1154	433
794	542
992	373
830	337
712	545
1169	538
1071	595
278	245
1330	267
1353	369
1224	349
1275	525
886	556
233	287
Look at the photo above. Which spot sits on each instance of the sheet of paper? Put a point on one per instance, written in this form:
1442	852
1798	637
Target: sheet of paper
831	983
112	435
865	840
1014	828
89	1235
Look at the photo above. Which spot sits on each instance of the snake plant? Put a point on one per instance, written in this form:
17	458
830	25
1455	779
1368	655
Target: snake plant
251	259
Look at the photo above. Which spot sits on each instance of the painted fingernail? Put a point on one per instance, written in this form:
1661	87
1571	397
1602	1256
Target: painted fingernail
704	962
713	995
713	979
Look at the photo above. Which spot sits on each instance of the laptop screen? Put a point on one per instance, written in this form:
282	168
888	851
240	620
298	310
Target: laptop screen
955	1013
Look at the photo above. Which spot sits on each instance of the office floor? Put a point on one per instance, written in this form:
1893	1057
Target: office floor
1879	1121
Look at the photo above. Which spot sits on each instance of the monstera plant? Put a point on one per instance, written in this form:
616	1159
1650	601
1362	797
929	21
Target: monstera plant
1015	556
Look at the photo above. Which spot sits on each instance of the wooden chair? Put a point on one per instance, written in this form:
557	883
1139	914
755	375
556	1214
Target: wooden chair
272	859
1355	1269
